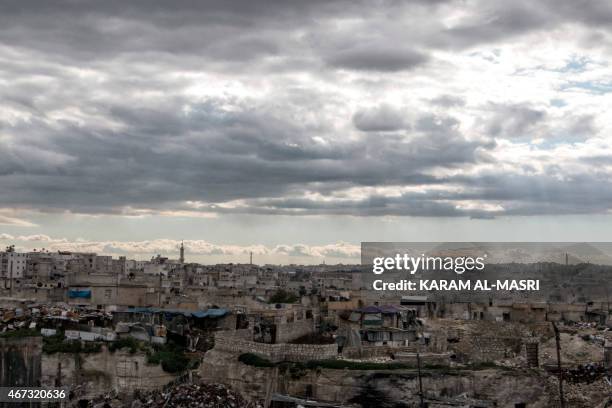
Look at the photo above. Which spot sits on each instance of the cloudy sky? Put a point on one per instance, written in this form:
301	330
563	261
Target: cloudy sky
297	129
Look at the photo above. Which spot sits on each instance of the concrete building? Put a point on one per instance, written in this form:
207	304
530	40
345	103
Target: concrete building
12	264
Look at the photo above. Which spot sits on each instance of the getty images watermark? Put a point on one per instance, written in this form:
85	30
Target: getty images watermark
429	269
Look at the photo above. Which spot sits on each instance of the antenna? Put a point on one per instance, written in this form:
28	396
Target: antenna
182	254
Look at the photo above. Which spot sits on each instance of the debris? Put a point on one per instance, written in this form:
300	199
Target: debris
585	373
196	395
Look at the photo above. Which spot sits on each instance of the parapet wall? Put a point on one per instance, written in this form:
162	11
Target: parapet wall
375	351
236	343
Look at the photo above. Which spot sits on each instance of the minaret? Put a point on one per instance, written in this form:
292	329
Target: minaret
182	257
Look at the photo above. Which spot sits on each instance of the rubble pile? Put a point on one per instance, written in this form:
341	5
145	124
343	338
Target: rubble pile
586	373
195	395
574	350
52	315
579	395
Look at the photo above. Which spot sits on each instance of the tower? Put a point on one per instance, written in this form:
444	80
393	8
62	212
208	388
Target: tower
182	256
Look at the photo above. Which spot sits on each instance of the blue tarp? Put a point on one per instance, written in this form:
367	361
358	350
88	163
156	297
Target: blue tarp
79	293
187	313
210	313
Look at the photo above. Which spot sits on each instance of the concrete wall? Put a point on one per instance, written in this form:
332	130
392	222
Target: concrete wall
113	295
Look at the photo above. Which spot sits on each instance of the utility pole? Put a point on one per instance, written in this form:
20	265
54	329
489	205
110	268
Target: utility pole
422	403
608	298
558	341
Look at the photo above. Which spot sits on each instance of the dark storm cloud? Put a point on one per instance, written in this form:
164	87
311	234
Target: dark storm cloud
581	195
376	58
97	114
210	32
377	205
246	30
211	155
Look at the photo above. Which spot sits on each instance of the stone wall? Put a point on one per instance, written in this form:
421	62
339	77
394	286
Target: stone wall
491	348
251	382
99	373
366	352
236	343
340	386
485	341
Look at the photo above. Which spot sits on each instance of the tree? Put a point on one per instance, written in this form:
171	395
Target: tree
282	296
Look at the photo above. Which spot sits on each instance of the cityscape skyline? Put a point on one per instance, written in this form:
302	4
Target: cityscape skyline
303	127
306	203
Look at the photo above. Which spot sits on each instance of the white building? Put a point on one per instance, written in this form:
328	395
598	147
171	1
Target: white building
12	264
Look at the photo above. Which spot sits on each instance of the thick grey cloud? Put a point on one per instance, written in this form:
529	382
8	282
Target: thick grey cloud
212	155
211	32
514	121
375	58
259	107
583	195
382	118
